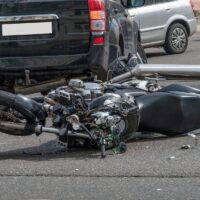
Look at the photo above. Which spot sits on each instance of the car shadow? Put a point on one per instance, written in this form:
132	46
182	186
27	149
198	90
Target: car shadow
155	54
196	40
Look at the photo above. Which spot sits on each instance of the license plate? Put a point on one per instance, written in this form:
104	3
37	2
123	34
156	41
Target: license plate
39	28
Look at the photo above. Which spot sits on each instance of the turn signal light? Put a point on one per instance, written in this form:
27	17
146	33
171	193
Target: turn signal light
97	15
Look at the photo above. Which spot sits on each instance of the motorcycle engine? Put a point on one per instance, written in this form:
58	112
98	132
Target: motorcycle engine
105	120
83	109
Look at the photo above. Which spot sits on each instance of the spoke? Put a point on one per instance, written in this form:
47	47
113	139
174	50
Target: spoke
183	36
174	37
177	31
174	34
174	42
178	45
181	44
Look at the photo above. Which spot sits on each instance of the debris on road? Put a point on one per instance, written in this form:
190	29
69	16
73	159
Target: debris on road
187	146
171	157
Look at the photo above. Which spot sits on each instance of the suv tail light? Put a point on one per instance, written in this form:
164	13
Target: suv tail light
97	15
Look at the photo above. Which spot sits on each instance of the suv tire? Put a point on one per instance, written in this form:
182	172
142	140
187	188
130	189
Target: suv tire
176	40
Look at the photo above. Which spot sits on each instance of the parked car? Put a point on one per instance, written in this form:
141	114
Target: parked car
166	23
61	38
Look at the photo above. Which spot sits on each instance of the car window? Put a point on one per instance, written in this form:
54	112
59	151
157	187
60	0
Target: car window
163	1
139	3
160	1
149	2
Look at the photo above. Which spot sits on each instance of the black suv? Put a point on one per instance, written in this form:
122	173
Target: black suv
47	39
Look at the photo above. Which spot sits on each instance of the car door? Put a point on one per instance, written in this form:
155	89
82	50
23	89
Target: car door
152	19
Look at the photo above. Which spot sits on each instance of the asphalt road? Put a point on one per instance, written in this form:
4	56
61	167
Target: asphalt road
32	168
191	56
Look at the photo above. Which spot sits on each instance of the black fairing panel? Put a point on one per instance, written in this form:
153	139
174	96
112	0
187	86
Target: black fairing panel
169	113
180	88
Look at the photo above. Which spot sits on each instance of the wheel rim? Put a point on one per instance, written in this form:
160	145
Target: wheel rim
179	39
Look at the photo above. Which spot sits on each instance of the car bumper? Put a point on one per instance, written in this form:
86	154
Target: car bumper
47	67
192	25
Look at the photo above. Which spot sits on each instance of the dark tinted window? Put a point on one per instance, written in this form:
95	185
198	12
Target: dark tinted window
161	1
136	3
139	3
149	2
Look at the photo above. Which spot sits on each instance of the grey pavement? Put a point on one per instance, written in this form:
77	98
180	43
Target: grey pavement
99	188
191	56
154	168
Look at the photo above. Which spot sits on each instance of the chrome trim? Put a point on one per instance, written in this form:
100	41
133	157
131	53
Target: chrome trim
25	18
150	44
152	29
97	33
166	70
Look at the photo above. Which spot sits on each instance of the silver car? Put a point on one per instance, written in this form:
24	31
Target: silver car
166	23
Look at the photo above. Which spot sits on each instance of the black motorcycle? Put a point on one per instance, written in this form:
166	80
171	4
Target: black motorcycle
106	115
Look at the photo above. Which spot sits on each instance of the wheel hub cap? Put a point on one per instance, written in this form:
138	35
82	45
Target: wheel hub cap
178	39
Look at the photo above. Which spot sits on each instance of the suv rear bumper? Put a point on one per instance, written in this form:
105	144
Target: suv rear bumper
48	67
40	65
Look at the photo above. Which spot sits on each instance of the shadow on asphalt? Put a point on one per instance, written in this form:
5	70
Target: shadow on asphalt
155	54
50	150
196	40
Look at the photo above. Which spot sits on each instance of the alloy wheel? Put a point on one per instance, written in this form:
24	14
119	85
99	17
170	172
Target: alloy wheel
178	39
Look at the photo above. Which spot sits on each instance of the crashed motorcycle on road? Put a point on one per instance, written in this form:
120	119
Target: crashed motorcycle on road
106	115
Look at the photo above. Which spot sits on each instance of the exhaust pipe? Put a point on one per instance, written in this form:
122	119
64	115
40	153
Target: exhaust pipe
141	70
40	87
49	85
23	130
15	129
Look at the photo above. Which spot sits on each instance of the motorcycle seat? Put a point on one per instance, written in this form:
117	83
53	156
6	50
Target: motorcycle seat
172	112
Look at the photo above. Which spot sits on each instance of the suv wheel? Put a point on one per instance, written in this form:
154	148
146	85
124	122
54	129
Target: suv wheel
176	40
